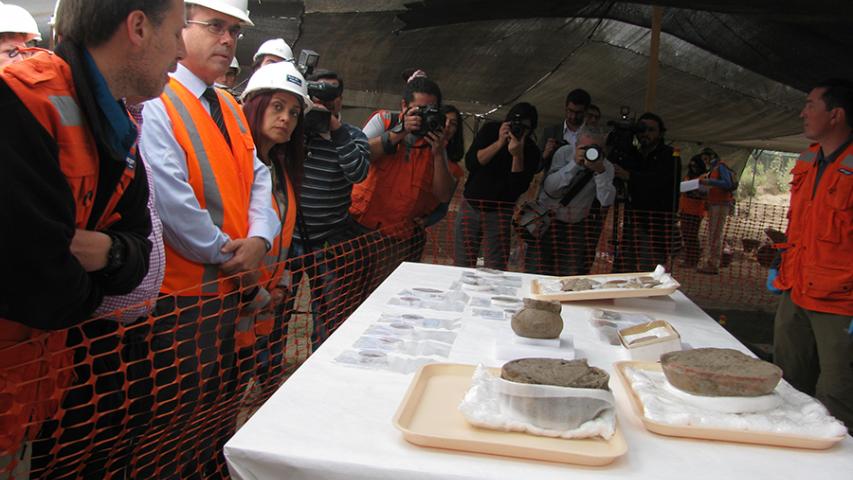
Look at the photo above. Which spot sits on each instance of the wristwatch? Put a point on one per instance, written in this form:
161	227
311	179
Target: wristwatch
116	255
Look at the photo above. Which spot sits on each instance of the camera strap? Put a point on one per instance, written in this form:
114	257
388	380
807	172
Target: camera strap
576	185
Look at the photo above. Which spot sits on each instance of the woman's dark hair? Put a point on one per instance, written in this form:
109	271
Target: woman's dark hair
696	167
456	145
524	110
289	156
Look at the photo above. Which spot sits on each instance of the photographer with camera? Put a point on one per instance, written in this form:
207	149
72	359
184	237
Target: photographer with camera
577	177
408	176
338	157
501	162
652	177
566	133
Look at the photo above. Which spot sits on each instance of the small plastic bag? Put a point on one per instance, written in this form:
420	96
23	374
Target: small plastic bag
407	331
379	360
407	347
421	321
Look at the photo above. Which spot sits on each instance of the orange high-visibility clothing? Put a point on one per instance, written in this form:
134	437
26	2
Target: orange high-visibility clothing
34	364
221	177
717	195
273	274
397	190
691	205
820	235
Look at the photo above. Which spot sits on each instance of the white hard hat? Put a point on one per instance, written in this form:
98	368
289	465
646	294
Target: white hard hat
235	64
279	76
238	9
277	47
14	19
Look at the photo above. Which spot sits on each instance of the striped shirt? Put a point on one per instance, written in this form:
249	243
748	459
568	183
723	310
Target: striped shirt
331	169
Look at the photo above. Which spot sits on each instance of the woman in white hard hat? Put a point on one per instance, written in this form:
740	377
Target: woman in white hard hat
18	31
274	101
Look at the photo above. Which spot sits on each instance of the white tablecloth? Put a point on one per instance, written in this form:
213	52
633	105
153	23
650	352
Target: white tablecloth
330	421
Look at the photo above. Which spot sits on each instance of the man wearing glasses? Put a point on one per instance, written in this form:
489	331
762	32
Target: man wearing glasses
214	199
566	133
18	31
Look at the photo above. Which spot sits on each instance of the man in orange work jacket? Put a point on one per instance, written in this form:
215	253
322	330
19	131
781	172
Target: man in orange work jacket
214	197
813	341
74	192
408	176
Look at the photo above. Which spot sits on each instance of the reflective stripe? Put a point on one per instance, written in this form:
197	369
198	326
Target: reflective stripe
69	112
807	157
848	161
236	115
213	199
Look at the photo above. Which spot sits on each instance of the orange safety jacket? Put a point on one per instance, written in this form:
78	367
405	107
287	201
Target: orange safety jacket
691	205
820	235
35	365
221	177
254	324
397	190
717	195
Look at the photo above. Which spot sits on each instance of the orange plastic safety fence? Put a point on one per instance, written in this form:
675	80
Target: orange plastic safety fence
159	397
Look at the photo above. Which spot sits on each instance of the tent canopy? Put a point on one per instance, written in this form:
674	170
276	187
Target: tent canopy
730	74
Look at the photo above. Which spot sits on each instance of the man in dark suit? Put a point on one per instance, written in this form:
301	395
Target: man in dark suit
565	133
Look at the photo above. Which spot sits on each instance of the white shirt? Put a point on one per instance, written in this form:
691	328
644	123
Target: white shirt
187	227
571	137
556	184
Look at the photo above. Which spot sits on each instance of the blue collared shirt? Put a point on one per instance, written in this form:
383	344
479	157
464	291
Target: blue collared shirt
123	129
187	227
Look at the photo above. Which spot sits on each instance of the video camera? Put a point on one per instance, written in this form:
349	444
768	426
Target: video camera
317	120
432	120
621	138
620	141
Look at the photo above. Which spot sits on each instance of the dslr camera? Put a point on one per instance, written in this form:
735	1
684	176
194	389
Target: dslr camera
517	126
432	120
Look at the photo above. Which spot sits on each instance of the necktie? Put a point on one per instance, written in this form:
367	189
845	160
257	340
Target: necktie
216	112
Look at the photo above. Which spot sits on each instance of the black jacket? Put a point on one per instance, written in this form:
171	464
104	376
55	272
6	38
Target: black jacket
495	181
655	180
42	284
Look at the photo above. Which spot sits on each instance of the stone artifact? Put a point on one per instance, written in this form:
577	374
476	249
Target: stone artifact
719	372
538	319
527	394
577	284
554	371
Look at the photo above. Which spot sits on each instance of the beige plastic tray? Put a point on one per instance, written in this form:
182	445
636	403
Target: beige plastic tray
725	435
536	289
429	416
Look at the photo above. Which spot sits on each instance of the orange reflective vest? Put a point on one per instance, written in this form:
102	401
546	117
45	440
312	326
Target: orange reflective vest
35	365
717	195
397	190
284	204
691	205
820	235
221	177
254	324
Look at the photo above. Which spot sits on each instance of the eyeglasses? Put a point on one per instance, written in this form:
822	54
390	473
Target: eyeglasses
218	28
24	52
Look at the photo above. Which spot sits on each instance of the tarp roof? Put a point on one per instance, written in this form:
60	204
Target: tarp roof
731	74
